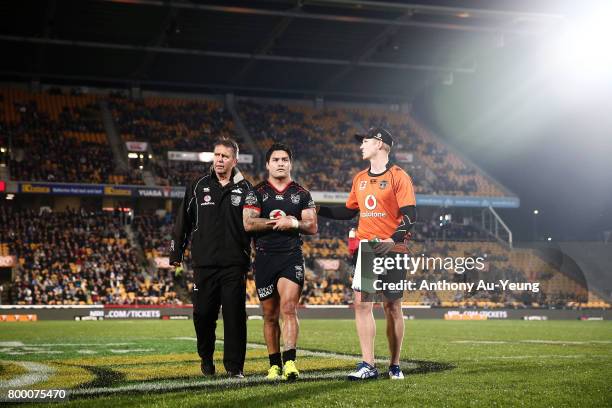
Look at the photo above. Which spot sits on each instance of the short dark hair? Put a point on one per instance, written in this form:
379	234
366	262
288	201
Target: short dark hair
227	142
278	146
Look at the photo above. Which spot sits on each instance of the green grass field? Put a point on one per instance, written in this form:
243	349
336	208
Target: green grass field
448	363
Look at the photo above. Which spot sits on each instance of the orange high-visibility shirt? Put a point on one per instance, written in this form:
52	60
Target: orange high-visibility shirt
379	199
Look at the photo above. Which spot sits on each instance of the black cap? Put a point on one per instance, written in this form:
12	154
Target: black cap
377	133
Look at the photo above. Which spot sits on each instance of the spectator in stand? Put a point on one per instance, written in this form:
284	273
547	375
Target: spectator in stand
65	146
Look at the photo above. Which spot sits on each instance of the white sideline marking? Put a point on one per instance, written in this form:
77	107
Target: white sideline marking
11	344
565	342
80	344
183	384
21	353
557	342
535	357
36	373
311	353
39	372
87	352
123	351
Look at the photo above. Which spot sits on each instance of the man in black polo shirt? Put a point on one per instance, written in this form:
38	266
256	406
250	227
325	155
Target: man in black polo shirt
278	211
210	216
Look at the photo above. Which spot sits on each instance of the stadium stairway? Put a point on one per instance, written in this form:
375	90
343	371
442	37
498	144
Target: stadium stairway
4	173
148	177
5	294
117	146
135	244
242	130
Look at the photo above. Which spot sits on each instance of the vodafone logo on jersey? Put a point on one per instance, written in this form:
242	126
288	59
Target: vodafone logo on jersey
274	214
370	202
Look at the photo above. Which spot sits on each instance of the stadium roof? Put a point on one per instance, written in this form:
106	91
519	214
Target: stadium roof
333	48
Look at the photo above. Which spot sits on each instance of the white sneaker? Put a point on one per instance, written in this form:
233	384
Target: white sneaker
395	372
364	372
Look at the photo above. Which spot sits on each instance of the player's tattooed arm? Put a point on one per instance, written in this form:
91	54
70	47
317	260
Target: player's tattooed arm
307	226
252	222
308	223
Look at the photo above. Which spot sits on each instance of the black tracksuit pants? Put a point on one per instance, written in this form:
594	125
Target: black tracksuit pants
216	287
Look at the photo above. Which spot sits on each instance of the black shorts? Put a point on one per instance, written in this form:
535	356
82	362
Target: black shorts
270	267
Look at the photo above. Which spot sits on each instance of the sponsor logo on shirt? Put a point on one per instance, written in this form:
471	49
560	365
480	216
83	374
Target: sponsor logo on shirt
373	214
274	214
362	185
208	200
280	197
370	202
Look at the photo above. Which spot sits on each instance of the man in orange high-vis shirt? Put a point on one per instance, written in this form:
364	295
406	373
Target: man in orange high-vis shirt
383	197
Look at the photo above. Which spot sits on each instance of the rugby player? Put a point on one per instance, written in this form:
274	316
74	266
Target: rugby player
383	197
277	211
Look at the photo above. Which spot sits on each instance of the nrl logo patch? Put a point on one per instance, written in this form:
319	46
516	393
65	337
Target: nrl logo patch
265	197
295	198
299	272
235	200
250	199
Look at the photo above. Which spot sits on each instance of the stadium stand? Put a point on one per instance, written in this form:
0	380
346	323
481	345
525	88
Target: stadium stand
99	264
81	257
327	156
501	263
57	137
153	231
175	124
77	257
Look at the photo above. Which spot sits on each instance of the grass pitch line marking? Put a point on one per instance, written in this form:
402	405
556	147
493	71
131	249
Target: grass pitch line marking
554	342
80	344
181	385
311	353
535	357
36	373
566	342
23	353
11	344
124	351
